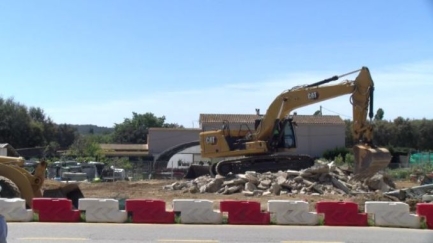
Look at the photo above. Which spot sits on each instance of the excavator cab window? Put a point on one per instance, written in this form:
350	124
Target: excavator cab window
289	135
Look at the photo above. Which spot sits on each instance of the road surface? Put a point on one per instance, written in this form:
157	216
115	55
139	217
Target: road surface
178	233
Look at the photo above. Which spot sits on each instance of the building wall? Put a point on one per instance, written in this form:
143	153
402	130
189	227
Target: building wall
3	152
314	139
161	139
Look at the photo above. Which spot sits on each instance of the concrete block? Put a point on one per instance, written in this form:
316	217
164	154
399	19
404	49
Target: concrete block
292	212
197	211
392	214
100	210
14	210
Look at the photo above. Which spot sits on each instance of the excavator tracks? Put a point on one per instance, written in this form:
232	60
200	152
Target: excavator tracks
261	164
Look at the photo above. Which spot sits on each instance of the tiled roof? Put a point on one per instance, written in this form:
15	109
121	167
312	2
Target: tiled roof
248	118
136	147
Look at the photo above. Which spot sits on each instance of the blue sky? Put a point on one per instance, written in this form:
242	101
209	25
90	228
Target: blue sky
96	62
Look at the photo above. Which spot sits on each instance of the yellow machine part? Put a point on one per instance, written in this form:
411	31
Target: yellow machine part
30	185
369	161
23	180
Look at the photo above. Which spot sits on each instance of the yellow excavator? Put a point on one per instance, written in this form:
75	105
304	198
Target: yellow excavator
271	146
18	182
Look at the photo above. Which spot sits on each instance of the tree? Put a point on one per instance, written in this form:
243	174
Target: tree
15	124
317	113
348	132
135	130
65	135
379	114
24	127
172	125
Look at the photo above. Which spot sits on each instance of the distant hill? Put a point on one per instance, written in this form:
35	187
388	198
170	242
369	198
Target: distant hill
85	129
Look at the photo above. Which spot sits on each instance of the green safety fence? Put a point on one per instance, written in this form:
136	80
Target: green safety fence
418	158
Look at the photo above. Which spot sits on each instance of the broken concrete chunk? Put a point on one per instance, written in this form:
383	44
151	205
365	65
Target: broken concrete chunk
376	183
266	182
292	173
275	189
234	182
321	179
340	185
282	174
249	186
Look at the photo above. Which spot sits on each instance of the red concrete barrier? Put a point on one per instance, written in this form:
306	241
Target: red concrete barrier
426	210
55	210
244	212
149	211
342	214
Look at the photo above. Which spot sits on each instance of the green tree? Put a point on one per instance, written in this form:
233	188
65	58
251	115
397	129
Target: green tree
66	135
15	124
135	130
85	146
425	130
379	114
172	125
24	127
348	132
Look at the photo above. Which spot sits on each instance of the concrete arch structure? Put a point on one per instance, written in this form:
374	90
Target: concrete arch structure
162	159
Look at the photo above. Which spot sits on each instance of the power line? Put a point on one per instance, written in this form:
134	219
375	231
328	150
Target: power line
336	112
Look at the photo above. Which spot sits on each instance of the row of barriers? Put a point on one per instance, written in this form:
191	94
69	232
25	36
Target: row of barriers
193	211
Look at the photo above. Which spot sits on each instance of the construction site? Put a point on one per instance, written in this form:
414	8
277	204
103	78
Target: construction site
275	156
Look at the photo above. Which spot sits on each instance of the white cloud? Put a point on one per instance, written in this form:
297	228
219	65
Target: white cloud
403	90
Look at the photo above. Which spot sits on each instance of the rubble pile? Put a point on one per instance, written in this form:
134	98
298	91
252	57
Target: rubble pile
321	179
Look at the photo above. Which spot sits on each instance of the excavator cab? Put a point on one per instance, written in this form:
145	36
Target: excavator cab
283	138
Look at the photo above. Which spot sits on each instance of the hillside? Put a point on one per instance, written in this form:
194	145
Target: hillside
86	129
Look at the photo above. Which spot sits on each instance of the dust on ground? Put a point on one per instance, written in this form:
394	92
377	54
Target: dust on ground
153	189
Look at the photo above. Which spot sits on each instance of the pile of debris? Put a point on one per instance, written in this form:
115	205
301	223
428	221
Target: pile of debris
321	179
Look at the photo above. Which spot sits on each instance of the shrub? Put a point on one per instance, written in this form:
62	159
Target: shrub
331	154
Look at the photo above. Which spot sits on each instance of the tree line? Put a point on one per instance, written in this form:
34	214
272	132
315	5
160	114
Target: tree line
29	127
398	134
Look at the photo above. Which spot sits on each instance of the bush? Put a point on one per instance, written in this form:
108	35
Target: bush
331	154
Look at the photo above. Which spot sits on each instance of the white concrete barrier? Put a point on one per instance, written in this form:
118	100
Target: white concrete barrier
197	211
392	214
14	210
100	210
292	212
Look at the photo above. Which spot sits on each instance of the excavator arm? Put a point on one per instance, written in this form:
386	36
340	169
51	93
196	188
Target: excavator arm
361	90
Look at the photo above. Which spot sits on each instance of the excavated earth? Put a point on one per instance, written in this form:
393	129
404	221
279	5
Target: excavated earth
312	185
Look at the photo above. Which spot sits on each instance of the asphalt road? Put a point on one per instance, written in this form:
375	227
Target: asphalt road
139	233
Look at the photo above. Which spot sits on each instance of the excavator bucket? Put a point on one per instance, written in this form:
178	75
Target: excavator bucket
369	161
195	171
71	191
